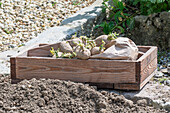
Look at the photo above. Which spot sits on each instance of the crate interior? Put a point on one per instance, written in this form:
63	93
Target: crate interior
45	50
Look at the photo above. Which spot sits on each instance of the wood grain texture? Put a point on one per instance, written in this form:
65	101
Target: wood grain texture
148	57
43	50
13	67
102	85
131	86
149	69
97	71
147	79
117	74
144	49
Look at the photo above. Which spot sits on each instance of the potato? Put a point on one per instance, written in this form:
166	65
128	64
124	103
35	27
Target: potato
65	47
82	53
59	55
74	42
96	50
99	39
110	43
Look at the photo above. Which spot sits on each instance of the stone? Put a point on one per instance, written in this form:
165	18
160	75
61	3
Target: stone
141	19
102	104
165	70
41	102
142	102
129	103
167	106
19	14
168	82
159	74
102	111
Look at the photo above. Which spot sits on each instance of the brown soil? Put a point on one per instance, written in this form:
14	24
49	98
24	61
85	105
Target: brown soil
52	96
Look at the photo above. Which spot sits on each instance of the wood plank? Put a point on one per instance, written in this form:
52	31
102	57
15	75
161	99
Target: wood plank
97	71
102	85
144	48
149	69
148	57
138	70
15	81
13	67
43	44
147	79
42	51
127	86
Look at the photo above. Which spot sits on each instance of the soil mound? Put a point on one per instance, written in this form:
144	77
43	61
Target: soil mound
52	96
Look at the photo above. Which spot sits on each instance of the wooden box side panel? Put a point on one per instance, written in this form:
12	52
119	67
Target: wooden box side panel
13	67
148	63
43	50
95	71
131	86
148	70
147	58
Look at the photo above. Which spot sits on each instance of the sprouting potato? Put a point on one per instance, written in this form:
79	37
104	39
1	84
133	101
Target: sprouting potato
65	47
101	38
96	50
57	55
74	42
82	53
110	43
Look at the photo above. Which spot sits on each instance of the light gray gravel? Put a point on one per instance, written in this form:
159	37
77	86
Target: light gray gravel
22	20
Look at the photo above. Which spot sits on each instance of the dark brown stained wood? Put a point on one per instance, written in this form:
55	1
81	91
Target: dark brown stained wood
15	81
97	71
149	69
13	67
147	79
144	49
102	85
132	86
148	57
42	51
43	44
138	70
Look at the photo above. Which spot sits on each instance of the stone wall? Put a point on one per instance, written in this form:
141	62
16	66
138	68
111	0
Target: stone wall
152	30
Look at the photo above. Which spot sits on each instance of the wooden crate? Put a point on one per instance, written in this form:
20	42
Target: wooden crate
113	74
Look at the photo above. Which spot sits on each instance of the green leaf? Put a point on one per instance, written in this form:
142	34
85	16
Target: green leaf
121	6
121	29
118	14
101	25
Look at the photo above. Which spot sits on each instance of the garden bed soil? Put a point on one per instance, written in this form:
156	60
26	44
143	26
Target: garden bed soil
51	96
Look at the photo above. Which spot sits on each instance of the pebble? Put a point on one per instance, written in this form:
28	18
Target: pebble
21	20
165	70
142	102
159	74
168	82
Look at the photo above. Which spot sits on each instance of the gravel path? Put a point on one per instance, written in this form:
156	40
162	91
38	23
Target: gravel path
51	96
22	20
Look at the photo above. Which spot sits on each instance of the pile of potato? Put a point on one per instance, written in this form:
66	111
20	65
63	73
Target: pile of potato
83	47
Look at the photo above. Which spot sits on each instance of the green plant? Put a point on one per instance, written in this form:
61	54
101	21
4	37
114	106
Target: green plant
107	27
54	3
119	14
63	55
148	7
75	2
102	46
0	4
8	32
112	36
